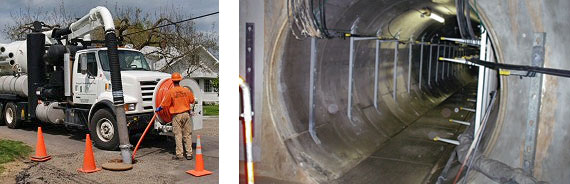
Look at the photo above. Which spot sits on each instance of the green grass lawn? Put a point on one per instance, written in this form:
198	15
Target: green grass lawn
211	110
10	150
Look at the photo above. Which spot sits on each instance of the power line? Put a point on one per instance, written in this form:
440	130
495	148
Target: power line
193	18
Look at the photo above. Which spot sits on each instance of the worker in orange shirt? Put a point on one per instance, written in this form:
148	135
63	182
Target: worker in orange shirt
178	100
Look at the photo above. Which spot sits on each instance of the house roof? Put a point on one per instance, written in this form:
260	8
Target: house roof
207	59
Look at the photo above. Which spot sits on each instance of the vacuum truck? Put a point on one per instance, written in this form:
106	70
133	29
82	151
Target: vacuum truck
60	77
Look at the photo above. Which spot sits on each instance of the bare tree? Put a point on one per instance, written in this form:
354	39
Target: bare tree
179	42
23	19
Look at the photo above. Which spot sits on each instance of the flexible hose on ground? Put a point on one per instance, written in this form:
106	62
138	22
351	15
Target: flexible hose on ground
142	137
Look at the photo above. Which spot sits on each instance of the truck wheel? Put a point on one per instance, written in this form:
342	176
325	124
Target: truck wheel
104	130
11	116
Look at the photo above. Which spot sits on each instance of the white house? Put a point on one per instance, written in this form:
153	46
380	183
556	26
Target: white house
204	74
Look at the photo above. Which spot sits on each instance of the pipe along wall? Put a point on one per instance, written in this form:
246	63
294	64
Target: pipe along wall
289	151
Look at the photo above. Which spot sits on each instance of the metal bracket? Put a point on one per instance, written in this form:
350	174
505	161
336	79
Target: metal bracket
250	62
409	66
437	63
377	60
534	97
429	64
395	76
443	63
312	88
350	65
421	64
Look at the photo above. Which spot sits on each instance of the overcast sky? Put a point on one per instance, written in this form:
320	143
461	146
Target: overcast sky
79	8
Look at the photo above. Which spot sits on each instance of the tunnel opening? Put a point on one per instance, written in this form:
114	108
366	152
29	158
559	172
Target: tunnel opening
376	126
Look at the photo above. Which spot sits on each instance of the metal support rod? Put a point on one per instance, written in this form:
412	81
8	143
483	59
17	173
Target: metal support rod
446	140
350	65
377	60
460	122
534	100
429	64
467	109
421	64
437	63
312	84
395	76
448	65
409	66
443	64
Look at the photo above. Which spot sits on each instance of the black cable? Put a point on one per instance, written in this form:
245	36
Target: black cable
468	20
530	69
459	15
193	18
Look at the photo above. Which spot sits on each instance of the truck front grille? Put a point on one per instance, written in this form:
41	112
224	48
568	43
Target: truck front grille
147	88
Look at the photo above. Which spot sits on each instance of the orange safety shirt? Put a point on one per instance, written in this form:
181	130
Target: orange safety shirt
178	100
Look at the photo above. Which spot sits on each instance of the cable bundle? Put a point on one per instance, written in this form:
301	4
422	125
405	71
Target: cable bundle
305	20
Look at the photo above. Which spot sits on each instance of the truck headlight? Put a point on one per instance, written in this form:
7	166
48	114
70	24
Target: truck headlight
130	107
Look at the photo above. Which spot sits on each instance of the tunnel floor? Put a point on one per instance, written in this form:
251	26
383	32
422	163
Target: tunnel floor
412	156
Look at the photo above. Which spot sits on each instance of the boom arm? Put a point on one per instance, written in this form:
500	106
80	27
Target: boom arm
98	16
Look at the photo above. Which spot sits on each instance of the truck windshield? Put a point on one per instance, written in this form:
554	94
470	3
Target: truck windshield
130	60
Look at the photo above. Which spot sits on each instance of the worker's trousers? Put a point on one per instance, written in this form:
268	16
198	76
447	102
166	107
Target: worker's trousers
182	128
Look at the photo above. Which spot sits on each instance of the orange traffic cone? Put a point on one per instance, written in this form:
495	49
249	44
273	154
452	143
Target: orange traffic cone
199	170
41	153
88	158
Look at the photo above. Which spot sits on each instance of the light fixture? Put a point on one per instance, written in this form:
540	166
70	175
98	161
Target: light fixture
430	14
436	17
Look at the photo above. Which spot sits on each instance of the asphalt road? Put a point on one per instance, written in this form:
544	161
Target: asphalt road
154	163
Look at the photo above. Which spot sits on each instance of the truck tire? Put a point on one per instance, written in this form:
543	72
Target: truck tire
10	114
104	132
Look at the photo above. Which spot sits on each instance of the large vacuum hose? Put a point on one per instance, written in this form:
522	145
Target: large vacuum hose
118	99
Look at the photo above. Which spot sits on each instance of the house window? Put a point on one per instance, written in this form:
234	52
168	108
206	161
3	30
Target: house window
208	86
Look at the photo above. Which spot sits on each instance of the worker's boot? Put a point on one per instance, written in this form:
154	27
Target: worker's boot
189	157
177	157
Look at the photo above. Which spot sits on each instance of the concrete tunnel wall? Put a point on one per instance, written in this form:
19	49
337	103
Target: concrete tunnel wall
289	153
512	24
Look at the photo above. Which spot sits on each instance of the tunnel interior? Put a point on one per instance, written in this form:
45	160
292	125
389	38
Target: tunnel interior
392	140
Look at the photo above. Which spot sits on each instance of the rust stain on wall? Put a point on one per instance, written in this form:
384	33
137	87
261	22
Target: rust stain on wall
547	116
535	11
512	10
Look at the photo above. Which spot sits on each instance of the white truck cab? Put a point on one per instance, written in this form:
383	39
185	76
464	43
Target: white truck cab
91	87
94	84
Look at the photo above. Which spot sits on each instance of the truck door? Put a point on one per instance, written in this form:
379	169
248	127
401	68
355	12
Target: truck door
84	82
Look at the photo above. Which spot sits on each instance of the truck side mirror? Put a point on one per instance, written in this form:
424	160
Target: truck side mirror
83	64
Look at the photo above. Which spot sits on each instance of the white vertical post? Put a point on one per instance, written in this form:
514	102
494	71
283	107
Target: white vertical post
480	81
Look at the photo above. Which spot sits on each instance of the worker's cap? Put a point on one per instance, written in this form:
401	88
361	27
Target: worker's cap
176	76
